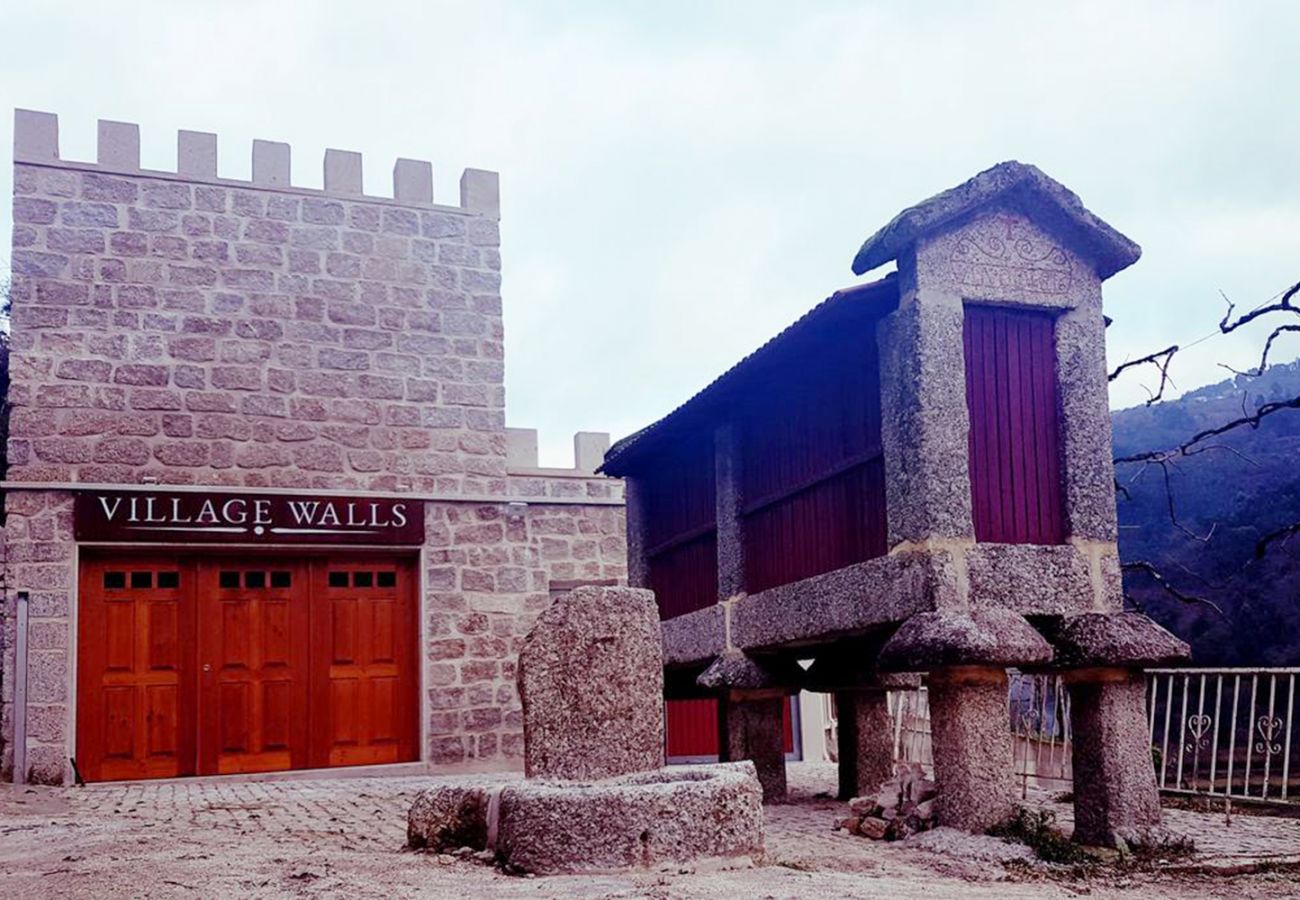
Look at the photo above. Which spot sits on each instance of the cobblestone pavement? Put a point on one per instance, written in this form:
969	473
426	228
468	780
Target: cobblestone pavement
344	837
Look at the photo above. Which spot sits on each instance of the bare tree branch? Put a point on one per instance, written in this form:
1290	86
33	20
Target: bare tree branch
1263	358
1283	534
1163	583
1161	360
1227	325
1189	446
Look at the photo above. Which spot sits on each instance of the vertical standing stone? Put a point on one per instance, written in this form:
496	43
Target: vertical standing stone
924	419
865	742
753	729
972	747
36	136
270	163
1115	793
119	145
592	685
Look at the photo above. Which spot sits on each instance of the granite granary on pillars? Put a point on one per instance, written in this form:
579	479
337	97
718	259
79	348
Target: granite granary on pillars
262	509
914	478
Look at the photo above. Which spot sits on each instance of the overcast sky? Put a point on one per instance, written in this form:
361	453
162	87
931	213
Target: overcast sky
681	180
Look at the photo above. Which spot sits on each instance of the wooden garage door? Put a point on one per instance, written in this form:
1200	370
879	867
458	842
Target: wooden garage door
213	665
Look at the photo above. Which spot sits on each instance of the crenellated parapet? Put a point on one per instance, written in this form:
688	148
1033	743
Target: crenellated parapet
36	142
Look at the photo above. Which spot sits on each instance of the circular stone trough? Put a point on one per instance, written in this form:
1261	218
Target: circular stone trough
633	821
669	815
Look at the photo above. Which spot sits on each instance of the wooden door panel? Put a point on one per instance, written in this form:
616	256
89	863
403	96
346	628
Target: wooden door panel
364	671
253	646
135	668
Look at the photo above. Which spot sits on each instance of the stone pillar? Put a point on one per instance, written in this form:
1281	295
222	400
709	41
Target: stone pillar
973	756
731	526
1115	793
751	725
638	561
924	419
866	742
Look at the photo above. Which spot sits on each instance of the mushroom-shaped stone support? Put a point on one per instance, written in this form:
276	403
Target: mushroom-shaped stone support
966	653
752	691
1116	800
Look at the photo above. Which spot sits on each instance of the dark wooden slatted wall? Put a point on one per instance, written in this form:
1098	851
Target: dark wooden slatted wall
1011	393
813	480
681	535
691	728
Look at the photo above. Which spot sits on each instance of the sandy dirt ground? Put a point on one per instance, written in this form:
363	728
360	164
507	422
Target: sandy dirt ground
344	838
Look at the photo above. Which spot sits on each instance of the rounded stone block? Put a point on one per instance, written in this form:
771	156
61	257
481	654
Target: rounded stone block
449	816
979	637
1128	639
634	822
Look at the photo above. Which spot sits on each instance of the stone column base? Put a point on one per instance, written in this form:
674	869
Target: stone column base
973	765
866	742
1115	793
751	726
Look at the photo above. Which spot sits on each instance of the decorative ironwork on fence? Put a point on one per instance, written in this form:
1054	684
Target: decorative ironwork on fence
1224	732
1217	732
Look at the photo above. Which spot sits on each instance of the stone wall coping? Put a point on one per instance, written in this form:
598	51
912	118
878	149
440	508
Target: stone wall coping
441	497
36	143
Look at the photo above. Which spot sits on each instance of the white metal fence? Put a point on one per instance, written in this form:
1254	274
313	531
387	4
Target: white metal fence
1225	732
1217	732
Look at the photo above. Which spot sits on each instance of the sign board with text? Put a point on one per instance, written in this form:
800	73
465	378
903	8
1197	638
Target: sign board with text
239	518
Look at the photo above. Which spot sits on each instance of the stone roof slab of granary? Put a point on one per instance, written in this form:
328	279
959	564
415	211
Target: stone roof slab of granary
828	320
1013	185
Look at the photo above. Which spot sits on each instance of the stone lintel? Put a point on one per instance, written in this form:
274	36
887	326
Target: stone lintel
848	601
863	597
696	637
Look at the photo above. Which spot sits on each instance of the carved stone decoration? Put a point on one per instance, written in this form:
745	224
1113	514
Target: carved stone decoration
1008	254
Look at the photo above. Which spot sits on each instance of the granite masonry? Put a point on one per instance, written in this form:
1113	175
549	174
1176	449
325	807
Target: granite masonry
596	796
591	681
988	542
182	332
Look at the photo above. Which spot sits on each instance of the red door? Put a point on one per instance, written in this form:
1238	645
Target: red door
253	635
213	665
135	672
364	683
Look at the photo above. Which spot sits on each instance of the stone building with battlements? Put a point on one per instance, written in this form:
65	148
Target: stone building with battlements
262	510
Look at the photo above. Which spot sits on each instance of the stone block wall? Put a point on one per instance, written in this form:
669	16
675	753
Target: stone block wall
182	328
186	328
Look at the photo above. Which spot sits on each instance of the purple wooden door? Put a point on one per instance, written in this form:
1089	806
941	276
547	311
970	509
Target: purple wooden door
1014	445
